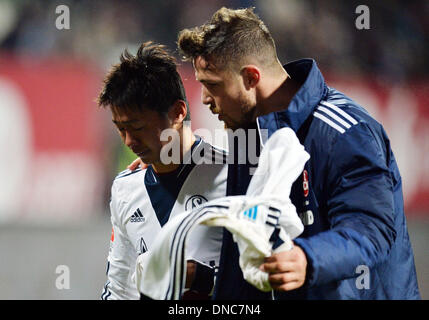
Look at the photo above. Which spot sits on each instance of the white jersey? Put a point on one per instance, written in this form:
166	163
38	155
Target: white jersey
142	202
262	222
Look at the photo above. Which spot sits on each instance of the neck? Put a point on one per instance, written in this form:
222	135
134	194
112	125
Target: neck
187	139
277	93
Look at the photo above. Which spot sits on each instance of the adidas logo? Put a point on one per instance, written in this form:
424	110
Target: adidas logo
137	216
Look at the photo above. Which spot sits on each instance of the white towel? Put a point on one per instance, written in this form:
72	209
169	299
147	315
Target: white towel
261	219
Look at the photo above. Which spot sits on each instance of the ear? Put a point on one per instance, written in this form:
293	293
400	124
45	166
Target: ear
177	113
251	76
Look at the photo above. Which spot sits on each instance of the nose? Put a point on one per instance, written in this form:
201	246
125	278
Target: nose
206	98
129	140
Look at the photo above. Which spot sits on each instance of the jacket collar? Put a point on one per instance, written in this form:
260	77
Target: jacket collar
303	103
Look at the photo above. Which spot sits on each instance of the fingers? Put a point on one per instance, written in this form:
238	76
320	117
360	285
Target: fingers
275	267
285	281
136	163
282	278
286	270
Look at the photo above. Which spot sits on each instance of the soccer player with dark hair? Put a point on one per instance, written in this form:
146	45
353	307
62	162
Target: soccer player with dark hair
350	194
147	99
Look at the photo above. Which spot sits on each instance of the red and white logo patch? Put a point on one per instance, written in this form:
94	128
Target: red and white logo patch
305	184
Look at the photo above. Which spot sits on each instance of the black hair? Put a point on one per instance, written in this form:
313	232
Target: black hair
147	80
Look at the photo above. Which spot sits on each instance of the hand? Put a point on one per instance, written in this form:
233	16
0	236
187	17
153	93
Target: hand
199	281
191	267
287	269
136	163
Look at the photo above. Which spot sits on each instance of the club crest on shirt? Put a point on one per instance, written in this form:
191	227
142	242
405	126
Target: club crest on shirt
194	201
305	183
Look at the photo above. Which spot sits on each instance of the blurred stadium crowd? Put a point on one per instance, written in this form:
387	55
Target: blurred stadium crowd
395	47
375	66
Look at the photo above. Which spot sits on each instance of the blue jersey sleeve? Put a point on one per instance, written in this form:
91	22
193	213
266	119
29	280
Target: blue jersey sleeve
360	209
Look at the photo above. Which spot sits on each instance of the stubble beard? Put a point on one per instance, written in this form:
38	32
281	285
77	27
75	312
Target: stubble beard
247	114
247	109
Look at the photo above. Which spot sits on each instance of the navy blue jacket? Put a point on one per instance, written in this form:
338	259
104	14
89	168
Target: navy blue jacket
349	198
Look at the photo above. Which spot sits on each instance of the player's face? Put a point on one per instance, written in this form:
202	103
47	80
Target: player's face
140	131
224	92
